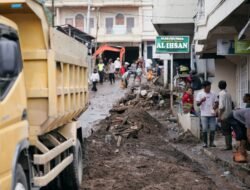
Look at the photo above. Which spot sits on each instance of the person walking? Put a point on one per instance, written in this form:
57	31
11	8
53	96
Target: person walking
117	66
122	69
225	108
139	73
94	78
125	78
206	101
101	71
111	70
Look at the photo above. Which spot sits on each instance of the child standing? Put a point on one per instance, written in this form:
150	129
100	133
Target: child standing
94	78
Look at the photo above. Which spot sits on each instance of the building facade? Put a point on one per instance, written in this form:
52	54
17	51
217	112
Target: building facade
221	32
175	18
114	22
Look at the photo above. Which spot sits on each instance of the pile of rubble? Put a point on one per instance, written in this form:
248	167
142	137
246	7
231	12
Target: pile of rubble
145	97
128	118
130	123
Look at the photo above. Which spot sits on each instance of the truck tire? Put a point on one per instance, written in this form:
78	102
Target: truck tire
72	176
21	180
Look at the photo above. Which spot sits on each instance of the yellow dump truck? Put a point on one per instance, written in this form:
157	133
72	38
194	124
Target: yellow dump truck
43	90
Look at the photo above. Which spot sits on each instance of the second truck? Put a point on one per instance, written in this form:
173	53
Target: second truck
43	91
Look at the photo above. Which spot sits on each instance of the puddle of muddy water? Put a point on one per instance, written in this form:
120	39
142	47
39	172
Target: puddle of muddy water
100	104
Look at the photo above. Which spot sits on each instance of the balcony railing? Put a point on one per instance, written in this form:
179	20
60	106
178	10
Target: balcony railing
120	30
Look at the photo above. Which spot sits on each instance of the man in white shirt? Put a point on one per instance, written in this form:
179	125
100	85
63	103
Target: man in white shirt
118	65
225	108
206	100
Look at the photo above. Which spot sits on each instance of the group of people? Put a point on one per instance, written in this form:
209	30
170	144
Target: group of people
117	69
113	69
218	110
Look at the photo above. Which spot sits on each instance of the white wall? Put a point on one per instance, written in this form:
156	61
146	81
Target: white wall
174	11
225	70
215	12
148	29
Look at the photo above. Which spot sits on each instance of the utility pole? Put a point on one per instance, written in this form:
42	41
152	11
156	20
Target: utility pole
88	17
165	73
97	25
53	13
172	82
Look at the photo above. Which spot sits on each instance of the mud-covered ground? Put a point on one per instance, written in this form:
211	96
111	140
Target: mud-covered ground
142	161
137	150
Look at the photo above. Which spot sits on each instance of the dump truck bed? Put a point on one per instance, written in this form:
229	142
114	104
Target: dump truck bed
55	69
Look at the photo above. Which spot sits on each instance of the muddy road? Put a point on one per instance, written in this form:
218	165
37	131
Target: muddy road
134	150
145	161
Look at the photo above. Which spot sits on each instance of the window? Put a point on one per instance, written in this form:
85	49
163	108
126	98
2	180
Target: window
79	21
109	25
69	21
130	24
91	23
243	82
119	19
10	59
150	52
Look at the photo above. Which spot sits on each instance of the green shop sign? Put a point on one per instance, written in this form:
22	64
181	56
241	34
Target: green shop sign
242	47
172	44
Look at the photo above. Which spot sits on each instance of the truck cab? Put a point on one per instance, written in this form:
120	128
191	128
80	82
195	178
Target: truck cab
43	91
13	104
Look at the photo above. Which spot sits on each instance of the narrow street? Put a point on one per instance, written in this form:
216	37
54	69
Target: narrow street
178	117
100	104
147	160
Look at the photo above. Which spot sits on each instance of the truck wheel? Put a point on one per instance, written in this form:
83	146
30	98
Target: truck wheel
72	176
21	180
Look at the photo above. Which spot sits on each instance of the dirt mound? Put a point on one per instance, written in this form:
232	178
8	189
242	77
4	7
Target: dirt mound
129	152
139	115
130	124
